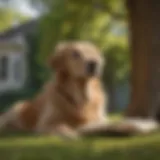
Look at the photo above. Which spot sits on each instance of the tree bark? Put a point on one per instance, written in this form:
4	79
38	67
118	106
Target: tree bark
144	21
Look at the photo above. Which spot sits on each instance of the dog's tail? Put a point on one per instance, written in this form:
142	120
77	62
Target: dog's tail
128	127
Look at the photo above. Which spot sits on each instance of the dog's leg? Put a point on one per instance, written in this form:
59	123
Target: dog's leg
45	116
59	130
127	127
142	125
66	132
46	127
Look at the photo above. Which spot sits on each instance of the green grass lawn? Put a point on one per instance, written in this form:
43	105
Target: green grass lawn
26	147
49	148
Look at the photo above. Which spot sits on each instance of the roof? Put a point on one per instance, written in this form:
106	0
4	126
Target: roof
23	28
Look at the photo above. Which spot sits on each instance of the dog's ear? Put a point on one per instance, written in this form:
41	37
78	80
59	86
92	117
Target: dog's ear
54	61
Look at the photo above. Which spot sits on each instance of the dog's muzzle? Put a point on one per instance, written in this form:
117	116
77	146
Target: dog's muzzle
92	68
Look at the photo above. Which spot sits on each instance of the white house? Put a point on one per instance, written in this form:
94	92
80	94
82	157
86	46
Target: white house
13	61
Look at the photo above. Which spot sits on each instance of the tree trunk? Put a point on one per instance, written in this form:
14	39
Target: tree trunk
144	18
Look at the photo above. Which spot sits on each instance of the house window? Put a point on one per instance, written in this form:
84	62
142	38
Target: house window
3	68
17	70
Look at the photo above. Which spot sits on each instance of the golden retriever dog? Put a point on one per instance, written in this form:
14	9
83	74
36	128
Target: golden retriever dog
72	99
72	103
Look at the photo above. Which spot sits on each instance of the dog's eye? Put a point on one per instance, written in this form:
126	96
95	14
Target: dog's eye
76	54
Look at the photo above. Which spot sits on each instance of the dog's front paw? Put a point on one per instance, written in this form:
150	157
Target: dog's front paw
69	135
66	132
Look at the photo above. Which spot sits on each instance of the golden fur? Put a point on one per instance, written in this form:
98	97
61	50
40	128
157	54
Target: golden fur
70	100
72	103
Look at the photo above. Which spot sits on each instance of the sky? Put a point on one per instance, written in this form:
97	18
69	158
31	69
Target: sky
24	7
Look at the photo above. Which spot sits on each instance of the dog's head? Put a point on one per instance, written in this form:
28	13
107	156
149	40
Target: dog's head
78	59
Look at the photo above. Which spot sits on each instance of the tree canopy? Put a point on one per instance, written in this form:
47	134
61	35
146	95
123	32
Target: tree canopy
104	22
8	17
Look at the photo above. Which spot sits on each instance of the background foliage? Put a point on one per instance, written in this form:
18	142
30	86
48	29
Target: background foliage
104	22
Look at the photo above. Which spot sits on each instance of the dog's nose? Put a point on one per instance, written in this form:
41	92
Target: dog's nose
91	67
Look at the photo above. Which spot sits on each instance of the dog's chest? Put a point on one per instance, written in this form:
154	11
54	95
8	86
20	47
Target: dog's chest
77	105
88	105
83	95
